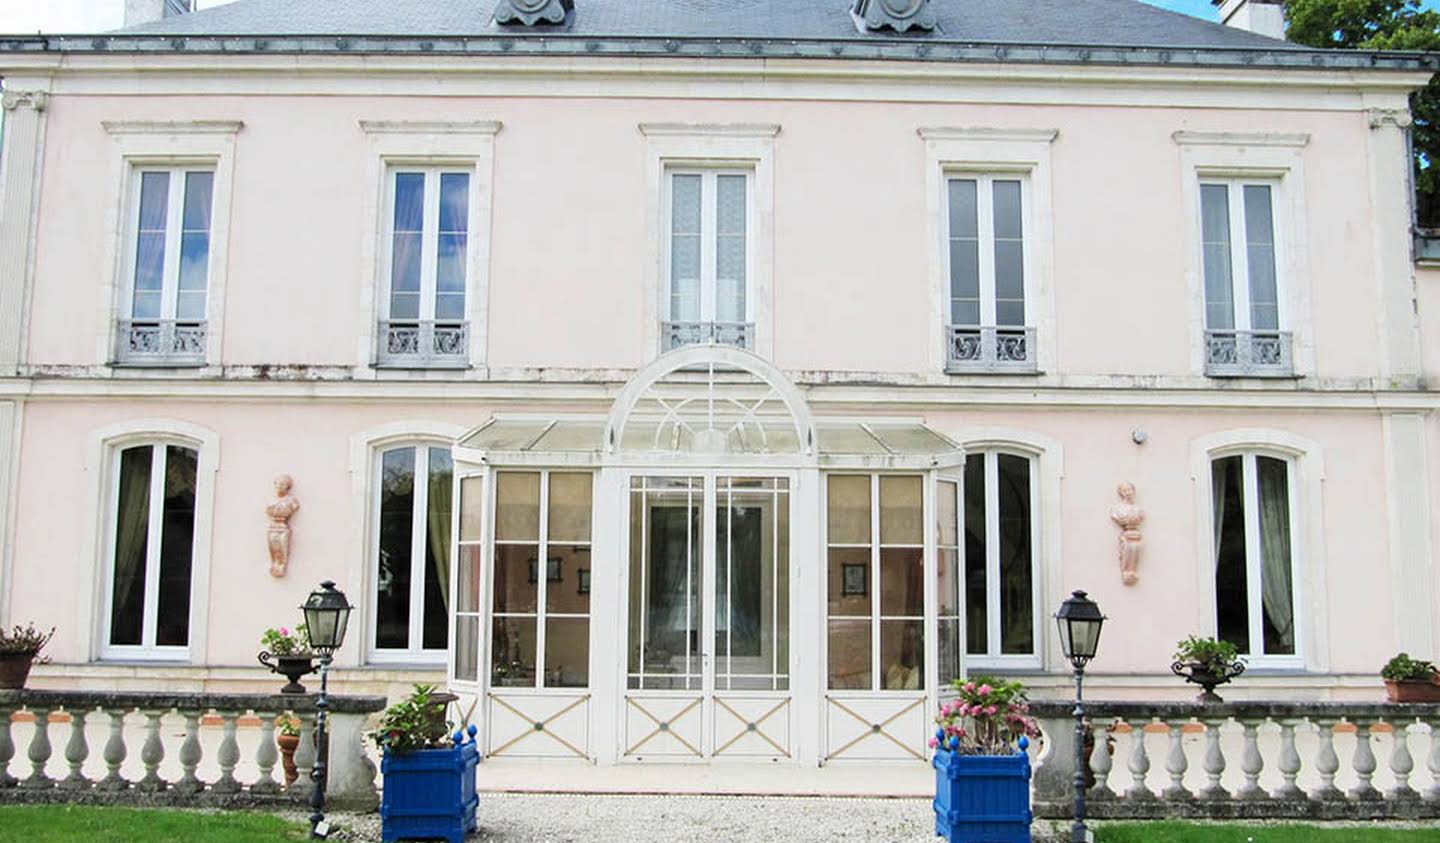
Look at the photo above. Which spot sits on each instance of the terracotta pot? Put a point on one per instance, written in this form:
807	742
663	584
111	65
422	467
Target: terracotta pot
1413	690
287	744
14	668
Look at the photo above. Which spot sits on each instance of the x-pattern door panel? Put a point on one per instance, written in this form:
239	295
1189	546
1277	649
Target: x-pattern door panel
708	637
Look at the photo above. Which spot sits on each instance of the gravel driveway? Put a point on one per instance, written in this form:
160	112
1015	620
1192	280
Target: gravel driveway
545	818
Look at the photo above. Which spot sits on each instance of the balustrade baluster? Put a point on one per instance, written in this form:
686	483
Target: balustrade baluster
151	754
1289	761
265	756
1364	764
1251	763
1327	762
76	751
1433	794
1100	763
7	747
1214	762
114	753
1176	764
1139	765
228	756
39	752
304	754
1401	764
190	755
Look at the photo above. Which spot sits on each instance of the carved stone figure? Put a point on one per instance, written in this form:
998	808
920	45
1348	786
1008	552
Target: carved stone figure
1127	516
277	535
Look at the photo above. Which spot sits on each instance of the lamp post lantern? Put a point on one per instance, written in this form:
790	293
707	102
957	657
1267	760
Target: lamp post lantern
327	614
1080	621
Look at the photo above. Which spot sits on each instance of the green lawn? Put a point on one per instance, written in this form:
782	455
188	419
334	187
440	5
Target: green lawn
1182	832
76	823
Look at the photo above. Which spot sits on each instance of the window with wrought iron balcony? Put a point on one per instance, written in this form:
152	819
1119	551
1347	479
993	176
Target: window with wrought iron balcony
163	316
986	330
1244	328
707	297
422	324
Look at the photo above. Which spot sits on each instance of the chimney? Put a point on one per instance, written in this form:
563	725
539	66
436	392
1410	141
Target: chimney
147	11
1262	17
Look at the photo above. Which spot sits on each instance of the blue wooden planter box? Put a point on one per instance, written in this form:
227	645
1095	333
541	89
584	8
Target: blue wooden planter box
982	798
430	793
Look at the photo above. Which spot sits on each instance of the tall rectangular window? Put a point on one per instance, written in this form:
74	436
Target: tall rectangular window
428	245
412	552
1243	320
541	610
1254	561
875	582
153	538
999	550
708	252
986	323
164	315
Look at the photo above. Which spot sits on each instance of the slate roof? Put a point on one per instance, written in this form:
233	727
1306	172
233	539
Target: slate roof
1126	23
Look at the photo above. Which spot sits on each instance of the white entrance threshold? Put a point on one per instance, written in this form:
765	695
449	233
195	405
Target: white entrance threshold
884	779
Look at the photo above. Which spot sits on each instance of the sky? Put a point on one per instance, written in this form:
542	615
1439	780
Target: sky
67	16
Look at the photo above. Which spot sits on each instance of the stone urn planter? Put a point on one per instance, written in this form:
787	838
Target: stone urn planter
1208	676
291	667
982	797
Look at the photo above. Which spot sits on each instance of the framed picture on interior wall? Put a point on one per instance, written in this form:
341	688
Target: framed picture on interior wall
854	578
552	570
583	574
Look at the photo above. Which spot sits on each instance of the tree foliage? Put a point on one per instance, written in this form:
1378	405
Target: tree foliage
1384	25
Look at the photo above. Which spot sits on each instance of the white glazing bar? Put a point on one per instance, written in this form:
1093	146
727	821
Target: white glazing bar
419	533
152	546
993	645
1254	557
875	683
542	577
1239	255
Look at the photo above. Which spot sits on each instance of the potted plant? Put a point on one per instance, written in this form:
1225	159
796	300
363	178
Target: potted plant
287	737
1208	663
287	652
982	774
19	649
1410	680
428	774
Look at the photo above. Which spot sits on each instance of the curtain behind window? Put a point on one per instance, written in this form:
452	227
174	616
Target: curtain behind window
132	528
1276	580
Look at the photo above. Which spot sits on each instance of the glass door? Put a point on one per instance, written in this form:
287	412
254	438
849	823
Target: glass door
708	637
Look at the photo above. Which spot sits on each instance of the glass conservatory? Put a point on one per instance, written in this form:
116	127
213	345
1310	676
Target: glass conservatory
708	572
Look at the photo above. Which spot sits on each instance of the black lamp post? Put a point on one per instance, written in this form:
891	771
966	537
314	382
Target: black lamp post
327	614
1080	621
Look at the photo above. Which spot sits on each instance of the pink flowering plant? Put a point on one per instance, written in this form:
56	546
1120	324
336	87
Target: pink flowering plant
286	641
987	716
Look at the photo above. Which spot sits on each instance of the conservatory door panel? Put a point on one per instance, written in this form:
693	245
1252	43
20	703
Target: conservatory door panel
538	725
670	726
874	728
751	726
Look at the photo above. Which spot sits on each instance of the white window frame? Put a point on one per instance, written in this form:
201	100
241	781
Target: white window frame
1273	158
541	614
178	175
998	152
139	145
985	229
1306	476
412	145
709	280
416	653
993	658
1240	255
729	146
94	593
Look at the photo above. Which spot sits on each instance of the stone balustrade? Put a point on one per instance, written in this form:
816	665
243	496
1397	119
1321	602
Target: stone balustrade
177	748
1315	760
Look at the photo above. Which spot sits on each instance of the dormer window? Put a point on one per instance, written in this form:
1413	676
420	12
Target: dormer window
896	15
532	12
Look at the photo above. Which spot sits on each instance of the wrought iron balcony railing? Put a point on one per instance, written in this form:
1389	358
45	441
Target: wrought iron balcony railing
160	342
423	344
1230	353
676	334
988	348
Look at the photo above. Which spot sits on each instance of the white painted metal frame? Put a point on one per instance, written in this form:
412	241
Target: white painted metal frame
419	537
994	658
479	614
709	229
